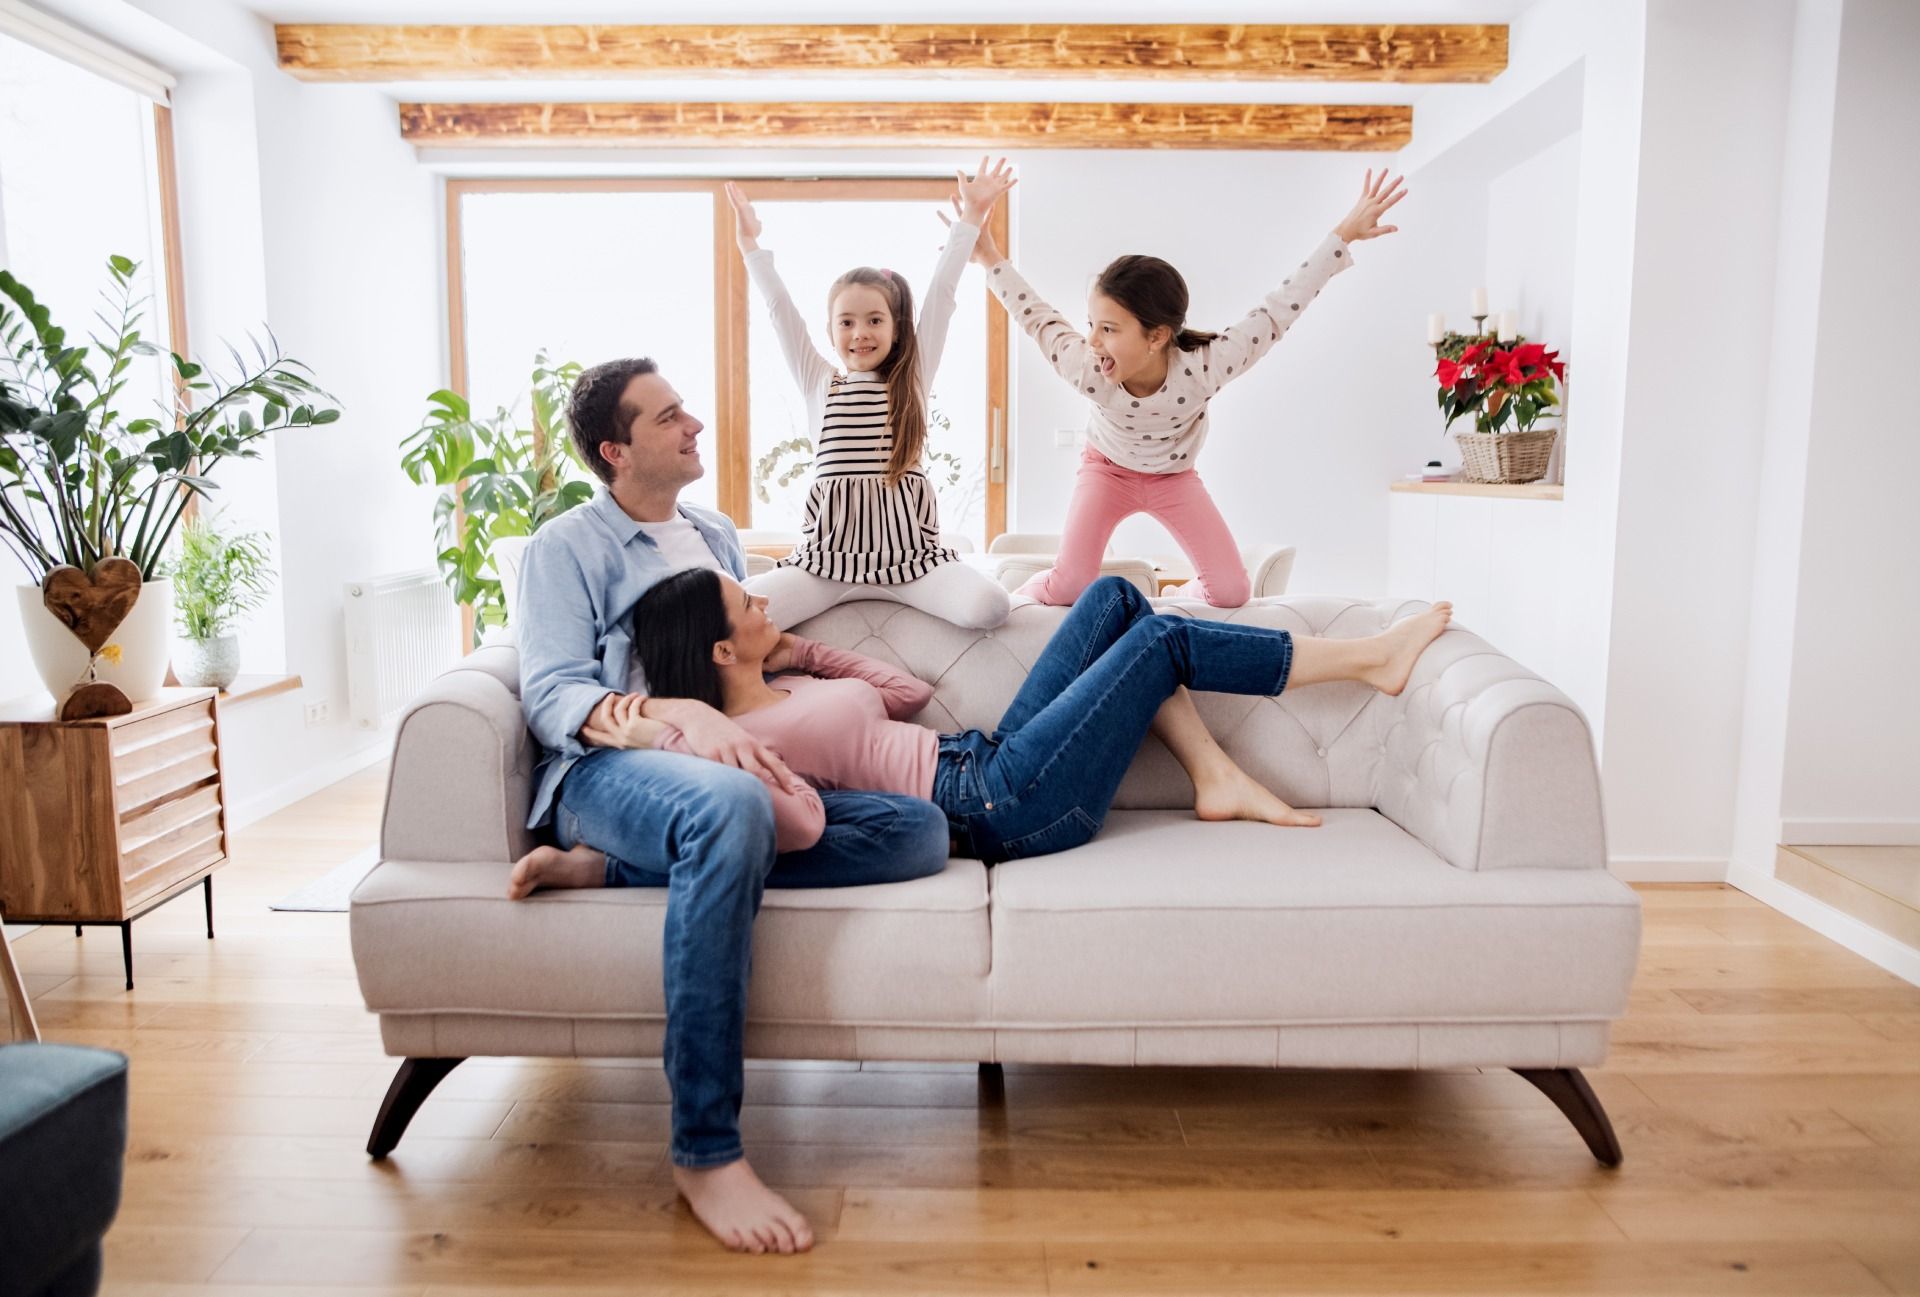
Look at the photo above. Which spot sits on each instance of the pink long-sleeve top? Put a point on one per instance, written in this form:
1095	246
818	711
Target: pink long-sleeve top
843	724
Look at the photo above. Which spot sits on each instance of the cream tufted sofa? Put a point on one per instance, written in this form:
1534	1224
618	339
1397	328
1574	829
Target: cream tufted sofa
1454	911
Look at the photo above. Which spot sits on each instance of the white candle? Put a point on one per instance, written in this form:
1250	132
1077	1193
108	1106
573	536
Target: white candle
1436	327
1509	326
1479	301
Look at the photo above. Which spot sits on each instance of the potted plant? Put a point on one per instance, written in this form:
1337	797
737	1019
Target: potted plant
496	479
217	577
90	498
1500	384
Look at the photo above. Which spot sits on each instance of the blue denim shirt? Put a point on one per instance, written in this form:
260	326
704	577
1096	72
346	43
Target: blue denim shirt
581	576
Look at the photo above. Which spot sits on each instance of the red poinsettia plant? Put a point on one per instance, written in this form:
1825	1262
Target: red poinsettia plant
1498	383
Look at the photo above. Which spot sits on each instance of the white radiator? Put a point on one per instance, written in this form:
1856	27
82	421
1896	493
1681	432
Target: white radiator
402	631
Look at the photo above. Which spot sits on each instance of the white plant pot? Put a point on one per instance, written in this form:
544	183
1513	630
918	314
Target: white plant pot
208	663
141	643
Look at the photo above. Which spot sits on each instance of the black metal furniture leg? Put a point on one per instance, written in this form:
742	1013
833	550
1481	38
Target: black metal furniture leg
126	950
411	1086
1574	1097
208	884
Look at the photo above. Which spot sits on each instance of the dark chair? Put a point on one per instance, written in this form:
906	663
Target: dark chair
63	1139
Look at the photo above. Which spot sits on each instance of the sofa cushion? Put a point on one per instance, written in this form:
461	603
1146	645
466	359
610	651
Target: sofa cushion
441	937
1163	920
63	1137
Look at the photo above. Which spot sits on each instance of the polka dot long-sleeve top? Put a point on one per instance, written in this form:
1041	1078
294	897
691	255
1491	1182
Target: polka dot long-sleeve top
1162	432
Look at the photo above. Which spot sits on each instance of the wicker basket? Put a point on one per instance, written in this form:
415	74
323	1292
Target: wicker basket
1505	456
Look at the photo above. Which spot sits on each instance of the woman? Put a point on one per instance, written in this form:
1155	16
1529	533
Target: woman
1042	782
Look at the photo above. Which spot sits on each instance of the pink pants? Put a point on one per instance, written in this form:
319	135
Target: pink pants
1104	493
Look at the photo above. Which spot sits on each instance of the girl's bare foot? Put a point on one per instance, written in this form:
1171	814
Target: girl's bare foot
740	1211
1233	794
1401	645
583	866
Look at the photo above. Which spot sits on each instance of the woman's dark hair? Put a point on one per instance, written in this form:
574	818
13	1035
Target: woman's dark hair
906	401
675	626
595	413
1151	291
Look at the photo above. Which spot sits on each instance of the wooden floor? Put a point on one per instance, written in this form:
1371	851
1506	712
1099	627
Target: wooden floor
1766	1088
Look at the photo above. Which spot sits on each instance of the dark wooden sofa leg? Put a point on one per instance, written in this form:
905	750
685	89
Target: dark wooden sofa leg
411	1086
1574	1097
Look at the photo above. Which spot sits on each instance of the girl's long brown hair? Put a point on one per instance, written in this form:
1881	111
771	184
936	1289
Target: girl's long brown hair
906	402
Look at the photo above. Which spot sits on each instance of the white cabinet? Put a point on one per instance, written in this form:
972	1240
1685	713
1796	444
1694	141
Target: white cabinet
1497	560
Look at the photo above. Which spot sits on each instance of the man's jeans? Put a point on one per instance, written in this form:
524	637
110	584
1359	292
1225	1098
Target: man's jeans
1044	780
704	831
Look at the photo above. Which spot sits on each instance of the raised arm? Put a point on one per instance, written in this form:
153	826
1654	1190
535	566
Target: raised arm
904	694
1242	343
974	200
809	368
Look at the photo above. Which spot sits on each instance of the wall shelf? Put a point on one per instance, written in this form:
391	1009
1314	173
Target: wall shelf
1486	490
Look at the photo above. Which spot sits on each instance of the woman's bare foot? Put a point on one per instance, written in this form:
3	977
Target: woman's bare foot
583	866
740	1211
1402	644
1230	793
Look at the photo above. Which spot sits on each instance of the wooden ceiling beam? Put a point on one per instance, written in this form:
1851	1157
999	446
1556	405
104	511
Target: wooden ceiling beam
1422	53
1334	127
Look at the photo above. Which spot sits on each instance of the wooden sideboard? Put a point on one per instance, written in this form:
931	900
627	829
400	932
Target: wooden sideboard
103	820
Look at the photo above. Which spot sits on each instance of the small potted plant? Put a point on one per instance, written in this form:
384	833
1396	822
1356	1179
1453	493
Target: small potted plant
217	578
1500	383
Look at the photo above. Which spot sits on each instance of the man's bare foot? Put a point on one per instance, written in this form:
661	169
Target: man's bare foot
583	866
1233	794
1402	643
740	1211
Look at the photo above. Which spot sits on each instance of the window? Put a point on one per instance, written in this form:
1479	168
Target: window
593	270
85	173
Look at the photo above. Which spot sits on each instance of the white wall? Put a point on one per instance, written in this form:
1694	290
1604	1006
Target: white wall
1699	337
1853	733
303	211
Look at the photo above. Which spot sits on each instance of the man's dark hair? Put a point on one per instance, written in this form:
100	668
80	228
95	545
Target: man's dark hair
676	623
594	411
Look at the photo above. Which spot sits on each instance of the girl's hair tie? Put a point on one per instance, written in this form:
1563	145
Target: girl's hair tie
886	272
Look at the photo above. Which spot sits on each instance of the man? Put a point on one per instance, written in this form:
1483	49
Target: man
703	829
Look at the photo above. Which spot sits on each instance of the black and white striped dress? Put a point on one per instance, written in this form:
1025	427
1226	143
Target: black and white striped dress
858	528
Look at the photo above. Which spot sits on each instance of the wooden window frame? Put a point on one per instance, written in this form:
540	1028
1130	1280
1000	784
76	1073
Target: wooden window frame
734	439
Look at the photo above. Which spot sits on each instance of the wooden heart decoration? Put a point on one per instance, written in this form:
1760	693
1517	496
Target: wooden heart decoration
93	701
92	606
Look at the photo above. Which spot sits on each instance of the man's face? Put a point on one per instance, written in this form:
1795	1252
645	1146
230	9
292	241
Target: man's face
662	450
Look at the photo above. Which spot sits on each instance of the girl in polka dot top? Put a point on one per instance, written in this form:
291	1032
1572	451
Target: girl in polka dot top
1149	378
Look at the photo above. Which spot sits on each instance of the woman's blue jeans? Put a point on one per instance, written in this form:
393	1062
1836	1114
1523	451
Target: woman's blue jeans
1043	781
704	831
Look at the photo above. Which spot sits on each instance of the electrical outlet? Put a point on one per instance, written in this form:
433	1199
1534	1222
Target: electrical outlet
317	713
1065	436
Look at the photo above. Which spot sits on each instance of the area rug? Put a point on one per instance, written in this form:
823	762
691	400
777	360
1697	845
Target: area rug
330	891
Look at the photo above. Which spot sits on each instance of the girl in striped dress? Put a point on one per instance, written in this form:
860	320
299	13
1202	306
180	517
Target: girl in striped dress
872	528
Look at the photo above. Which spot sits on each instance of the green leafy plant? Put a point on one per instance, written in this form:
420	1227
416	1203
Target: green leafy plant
217	577
79	480
497	478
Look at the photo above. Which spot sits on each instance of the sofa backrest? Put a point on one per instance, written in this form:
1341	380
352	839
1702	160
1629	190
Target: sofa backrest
1479	758
1317	746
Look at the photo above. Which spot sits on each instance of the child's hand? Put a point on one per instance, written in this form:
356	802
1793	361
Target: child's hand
985	251
980	191
746	225
1376	196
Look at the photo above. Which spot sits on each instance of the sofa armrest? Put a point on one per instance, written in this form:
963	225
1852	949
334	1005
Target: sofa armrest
1491	766
462	774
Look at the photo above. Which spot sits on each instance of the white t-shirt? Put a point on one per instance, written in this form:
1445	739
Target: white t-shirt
681	544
